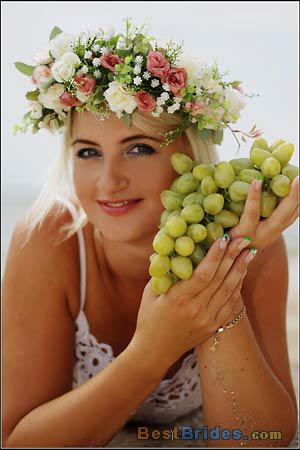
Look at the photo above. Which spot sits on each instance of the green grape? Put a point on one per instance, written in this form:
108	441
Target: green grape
237	178
163	244
290	171
280	185
182	267
224	175
261	143
163	218
194	197
197	232
176	226
237	207
276	144
238	191
203	170
214	231
258	155
213	204
187	183
248	175
181	163
283	153
152	256
159	266
171	200
192	213
184	246
197	255
208	186
162	284
226	218
268	203
175	213
174	185
240	164
270	167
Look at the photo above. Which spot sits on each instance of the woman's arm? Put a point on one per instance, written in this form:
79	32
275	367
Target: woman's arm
39	407
246	382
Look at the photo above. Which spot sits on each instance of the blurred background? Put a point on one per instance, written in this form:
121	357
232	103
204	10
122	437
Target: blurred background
257	42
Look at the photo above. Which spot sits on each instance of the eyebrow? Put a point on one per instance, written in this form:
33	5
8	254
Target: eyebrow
123	141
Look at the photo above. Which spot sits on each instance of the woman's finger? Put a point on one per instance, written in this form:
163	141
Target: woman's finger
251	214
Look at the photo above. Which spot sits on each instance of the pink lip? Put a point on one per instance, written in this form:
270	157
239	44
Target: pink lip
118	210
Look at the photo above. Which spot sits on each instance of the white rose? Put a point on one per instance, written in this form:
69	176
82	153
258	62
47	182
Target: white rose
64	68
61	44
50	98
118	99
42	57
234	100
36	109
192	66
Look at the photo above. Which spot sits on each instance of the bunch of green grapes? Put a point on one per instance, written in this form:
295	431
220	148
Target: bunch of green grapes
206	200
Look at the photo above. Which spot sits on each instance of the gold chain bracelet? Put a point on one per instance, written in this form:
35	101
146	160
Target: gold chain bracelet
229	325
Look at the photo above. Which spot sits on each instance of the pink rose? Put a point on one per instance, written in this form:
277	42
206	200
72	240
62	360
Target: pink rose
67	99
42	57
41	74
85	83
109	60
176	79
157	64
145	101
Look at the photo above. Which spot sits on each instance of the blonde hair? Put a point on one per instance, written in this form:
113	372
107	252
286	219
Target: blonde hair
59	181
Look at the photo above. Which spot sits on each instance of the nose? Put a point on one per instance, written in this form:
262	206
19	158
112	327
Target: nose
111	179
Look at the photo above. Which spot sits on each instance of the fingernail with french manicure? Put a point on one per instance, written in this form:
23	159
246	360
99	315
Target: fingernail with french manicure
251	255
224	240
246	241
258	183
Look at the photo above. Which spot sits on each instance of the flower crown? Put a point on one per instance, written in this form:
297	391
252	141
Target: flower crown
104	71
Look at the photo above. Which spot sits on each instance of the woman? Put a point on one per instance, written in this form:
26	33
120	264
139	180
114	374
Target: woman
139	357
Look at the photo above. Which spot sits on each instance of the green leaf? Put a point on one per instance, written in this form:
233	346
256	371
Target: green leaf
127	119
32	95
218	136
24	68
54	33
205	134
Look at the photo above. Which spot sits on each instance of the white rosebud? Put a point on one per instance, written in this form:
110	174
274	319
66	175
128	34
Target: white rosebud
88	54
155	83
97	73
137	70
96	62
118	99
61	44
96	48
84	69
146	75
137	81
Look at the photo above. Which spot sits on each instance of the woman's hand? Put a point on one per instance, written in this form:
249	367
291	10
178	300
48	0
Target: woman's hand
265	232
192	310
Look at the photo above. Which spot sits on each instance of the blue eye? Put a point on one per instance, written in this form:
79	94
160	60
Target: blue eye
87	153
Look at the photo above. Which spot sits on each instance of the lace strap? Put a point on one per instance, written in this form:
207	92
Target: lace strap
82	252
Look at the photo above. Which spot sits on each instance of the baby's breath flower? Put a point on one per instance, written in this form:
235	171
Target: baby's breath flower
104	50
96	62
137	69
137	81
166	87
97	73
139	59
96	48
170	110
84	69
88	54
155	83
165	96
146	75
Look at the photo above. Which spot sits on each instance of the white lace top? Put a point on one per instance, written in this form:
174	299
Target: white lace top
171	399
